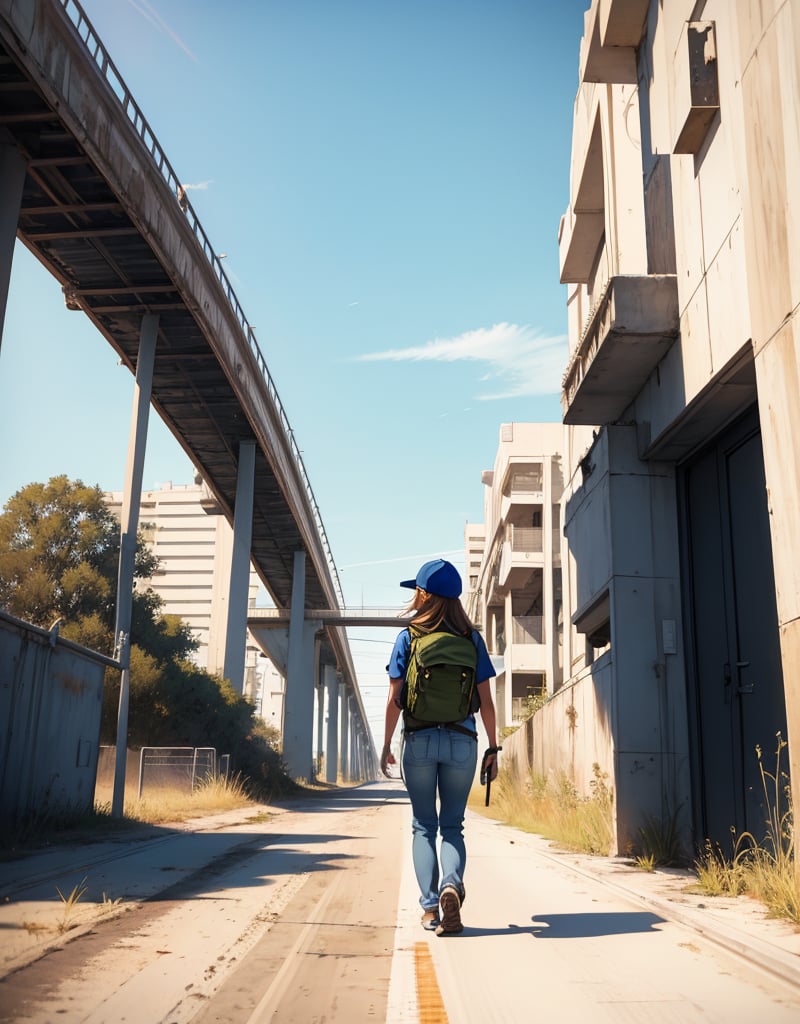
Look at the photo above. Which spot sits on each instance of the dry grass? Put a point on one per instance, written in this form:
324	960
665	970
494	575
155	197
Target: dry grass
765	869
161	806
69	904
553	808
659	843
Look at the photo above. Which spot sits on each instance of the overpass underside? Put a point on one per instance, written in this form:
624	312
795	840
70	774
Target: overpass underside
86	187
123	243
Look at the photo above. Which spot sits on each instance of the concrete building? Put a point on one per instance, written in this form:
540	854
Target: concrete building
514	566
193	541
681	252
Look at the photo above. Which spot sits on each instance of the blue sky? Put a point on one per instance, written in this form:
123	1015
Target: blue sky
386	180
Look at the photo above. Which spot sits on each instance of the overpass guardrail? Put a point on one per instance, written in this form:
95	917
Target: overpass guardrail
108	70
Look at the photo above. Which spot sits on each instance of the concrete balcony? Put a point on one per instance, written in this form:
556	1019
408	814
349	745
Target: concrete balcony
629	331
602	59
527	651
579	238
527	629
526	657
622	22
522	484
517	498
523	550
495	594
583	226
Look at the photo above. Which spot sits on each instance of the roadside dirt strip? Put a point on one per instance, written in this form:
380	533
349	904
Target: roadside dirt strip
291	919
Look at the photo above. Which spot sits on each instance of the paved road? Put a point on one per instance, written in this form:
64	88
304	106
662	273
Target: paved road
307	913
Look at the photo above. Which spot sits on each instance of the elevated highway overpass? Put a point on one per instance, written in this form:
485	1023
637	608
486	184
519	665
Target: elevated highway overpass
86	186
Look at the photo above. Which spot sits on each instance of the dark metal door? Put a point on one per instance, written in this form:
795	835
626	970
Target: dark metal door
736	683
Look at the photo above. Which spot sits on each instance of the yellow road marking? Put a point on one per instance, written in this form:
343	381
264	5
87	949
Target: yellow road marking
429	998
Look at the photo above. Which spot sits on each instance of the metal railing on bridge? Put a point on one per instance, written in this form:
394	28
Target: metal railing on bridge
108	70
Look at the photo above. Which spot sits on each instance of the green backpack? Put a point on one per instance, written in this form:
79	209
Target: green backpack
440	679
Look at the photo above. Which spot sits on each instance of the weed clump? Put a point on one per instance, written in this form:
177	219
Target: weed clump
762	868
660	843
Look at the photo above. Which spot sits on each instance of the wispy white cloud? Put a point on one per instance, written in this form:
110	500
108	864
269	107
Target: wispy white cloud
148	12
519	359
201	186
403	558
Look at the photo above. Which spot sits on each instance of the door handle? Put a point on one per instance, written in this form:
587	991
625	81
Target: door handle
743	687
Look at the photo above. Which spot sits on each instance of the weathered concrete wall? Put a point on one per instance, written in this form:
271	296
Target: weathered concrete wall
517	756
51	694
769	54
626	711
569	735
572	736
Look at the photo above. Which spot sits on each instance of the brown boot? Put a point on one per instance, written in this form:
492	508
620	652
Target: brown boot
450	903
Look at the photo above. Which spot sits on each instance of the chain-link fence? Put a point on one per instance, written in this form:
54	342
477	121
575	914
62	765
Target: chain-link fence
179	767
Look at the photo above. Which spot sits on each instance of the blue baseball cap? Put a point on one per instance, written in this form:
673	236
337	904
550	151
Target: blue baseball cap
437	577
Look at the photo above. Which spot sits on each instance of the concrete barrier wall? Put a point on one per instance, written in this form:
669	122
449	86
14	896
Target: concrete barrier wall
574	732
569	735
517	753
51	694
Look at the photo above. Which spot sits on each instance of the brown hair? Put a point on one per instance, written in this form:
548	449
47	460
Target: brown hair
432	610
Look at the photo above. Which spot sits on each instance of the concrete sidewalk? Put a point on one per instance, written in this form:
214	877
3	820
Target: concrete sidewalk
739	924
631	945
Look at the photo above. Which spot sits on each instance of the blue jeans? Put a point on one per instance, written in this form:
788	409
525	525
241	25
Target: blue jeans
438	762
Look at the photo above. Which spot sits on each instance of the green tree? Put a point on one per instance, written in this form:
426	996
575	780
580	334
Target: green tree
59	551
59	555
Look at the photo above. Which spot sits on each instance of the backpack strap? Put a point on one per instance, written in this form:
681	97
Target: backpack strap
409	726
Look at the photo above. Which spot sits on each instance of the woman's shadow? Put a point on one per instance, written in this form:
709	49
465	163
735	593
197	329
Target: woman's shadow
578	926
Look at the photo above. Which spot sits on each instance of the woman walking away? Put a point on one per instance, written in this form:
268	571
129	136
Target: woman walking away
439	675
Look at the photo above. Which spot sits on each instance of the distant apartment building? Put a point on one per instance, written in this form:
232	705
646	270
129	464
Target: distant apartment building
474	547
680	249
192	540
514	566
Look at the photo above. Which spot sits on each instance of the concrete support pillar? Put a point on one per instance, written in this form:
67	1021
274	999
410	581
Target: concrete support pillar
12	180
236	633
298	714
361	760
508	685
319	687
622	173
332	685
548	603
354	775
131	501
344	734
362	757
